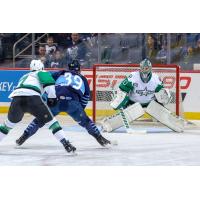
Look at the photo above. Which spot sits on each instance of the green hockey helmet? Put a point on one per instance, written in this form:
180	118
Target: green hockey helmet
145	70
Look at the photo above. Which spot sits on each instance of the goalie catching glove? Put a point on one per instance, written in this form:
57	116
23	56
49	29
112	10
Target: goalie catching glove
163	96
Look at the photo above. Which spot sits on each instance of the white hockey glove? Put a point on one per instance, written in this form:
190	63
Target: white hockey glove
50	90
163	96
120	100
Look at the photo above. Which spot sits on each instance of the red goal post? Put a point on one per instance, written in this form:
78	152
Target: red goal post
106	78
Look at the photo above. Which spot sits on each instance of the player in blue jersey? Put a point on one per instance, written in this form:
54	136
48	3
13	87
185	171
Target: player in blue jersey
73	93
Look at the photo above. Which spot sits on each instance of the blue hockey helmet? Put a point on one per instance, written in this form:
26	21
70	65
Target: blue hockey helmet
74	65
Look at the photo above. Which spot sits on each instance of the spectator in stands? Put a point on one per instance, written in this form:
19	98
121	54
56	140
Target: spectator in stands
197	47
7	42
178	40
43	56
151	48
92	40
106	55
161	56
76	50
197	52
1	47
187	58
50	46
192	38
109	48
57	61
178	49
62	39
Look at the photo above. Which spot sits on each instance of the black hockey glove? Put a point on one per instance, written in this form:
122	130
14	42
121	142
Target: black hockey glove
51	102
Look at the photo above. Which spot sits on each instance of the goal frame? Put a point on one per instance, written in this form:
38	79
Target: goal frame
165	66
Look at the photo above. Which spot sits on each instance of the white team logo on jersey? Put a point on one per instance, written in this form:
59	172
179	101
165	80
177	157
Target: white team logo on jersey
144	92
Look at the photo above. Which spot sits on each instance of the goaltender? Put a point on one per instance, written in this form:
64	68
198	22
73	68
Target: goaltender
142	89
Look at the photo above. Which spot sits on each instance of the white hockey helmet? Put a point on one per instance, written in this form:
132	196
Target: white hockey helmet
36	65
145	70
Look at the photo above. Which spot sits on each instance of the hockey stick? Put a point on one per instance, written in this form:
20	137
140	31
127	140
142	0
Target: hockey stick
127	125
125	120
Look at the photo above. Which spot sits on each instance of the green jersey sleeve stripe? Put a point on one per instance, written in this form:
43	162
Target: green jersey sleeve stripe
46	78
126	85
159	87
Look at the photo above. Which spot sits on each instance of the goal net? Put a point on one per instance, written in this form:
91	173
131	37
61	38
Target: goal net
107	77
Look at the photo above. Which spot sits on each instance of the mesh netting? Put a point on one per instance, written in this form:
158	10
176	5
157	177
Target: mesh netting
108	78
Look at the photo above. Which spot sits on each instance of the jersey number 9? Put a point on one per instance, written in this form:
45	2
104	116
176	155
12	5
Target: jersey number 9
75	81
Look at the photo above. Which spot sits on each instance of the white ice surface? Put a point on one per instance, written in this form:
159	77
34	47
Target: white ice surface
151	149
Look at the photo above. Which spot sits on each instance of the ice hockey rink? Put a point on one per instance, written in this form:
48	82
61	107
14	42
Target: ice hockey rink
158	147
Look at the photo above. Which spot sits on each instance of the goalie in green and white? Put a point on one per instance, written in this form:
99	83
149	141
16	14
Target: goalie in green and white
142	89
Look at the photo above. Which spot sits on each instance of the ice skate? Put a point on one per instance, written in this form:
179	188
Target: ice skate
68	146
22	139
101	140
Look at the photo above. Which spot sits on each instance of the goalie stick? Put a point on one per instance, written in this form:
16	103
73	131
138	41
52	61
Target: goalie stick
125	120
127	125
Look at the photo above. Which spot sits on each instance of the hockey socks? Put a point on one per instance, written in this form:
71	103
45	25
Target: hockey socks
92	129
2	132
59	135
32	128
29	131
67	145
5	128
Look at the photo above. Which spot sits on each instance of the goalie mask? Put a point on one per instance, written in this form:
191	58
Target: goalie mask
36	65
74	66
145	70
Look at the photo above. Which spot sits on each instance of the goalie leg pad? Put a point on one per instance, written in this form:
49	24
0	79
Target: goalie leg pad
132	113
165	116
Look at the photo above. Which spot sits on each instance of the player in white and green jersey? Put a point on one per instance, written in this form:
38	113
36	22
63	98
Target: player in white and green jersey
26	98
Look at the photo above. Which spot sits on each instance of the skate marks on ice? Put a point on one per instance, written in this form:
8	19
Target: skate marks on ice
36	155
158	149
32	155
